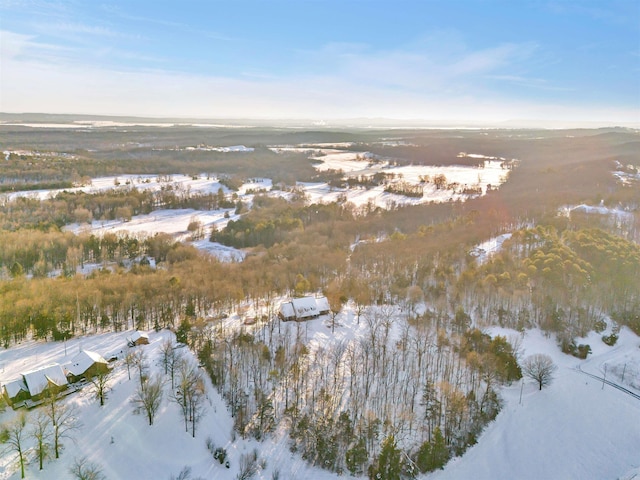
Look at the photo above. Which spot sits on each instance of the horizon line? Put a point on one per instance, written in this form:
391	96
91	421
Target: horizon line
353	122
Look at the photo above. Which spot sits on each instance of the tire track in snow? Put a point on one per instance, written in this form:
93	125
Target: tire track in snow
610	383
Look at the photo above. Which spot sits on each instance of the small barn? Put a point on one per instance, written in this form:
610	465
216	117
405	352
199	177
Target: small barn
304	308
50	378
15	391
139	338
86	364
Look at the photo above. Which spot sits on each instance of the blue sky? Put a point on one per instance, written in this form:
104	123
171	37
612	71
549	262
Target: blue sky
438	61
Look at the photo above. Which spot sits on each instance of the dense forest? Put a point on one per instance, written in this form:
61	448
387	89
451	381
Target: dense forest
424	381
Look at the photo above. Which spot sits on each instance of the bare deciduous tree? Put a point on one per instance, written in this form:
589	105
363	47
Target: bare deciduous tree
129	359
540	368
166	351
40	433
101	382
64	419
13	435
148	397
189	394
83	469
139	362
170	359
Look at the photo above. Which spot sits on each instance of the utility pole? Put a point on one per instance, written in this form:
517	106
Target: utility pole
605	376
521	388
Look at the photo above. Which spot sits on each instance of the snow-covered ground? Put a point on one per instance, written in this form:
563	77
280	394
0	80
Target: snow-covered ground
573	429
492	172
173	222
123	443
485	250
617	213
202	184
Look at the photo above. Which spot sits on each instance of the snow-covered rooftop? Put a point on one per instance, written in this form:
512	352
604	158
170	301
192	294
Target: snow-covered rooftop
37	380
14	387
83	361
137	335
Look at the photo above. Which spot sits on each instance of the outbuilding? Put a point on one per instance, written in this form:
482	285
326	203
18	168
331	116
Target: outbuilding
139	338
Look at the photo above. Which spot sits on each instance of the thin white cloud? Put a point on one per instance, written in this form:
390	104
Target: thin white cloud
24	47
422	67
529	82
77	30
118	13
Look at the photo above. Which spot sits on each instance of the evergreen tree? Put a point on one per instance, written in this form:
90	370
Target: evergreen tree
182	334
434	454
356	457
388	465
439	452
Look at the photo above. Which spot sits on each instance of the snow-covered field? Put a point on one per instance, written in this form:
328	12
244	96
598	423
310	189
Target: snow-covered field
201	184
572	429
617	213
329	156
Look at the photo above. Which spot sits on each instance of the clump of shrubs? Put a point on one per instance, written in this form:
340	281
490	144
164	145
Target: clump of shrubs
579	351
600	326
218	453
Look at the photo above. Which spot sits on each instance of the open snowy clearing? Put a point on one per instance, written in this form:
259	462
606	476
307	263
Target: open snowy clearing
599	210
487	249
201	184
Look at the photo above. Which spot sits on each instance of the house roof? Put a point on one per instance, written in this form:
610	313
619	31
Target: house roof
323	304
305	307
37	380
83	361
14	387
286	309
137	335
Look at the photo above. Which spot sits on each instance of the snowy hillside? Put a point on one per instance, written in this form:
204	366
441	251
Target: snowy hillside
571	429
123	443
